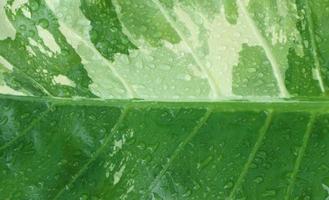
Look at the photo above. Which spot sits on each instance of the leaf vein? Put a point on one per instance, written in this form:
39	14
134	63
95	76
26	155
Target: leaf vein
300	156
314	46
270	55
127	86
101	148
180	147
246	167
25	131
211	80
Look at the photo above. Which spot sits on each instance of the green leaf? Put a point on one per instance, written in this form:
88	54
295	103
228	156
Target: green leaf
115	149
164	49
164	99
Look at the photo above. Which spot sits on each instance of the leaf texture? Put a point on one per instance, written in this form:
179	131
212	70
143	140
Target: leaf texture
164	49
161	150
164	99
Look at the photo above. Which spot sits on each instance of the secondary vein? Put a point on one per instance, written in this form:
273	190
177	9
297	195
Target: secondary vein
127	86
85	167
300	156
26	130
31	79
314	46
252	154
180	147
270	55
211	80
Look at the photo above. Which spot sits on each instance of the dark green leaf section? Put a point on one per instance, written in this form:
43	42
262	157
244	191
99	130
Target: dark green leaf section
231	11
106	32
35	73
305	74
90	149
317	18
314	170
253	75
278	150
42	161
300	75
16	118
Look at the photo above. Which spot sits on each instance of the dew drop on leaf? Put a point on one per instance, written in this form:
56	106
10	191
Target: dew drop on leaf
269	193
25	115
141	146
44	23
3	120
34	5
188	193
22	27
229	185
259	179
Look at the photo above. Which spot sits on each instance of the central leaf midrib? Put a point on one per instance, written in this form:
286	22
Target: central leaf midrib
281	105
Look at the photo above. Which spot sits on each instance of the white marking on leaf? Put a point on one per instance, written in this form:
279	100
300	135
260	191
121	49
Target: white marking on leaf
40	47
26	12
326	188
215	87
6	64
63	80
7	29
102	72
262	41
17	4
117	175
48	39
4	89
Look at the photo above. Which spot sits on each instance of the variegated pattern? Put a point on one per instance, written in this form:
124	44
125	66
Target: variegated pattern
164	49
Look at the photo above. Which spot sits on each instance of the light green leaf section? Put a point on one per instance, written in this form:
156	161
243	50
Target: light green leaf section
169	49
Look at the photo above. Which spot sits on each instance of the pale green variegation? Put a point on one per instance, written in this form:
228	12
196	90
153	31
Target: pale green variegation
165	49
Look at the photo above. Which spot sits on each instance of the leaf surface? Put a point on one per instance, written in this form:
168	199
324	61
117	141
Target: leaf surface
164	49
164	99
143	150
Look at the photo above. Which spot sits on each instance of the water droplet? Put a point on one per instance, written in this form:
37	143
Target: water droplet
83	197
148	158
253	165
165	67
269	193
141	146
22	27
196	186
34	5
187	77
206	162
259	179
228	185
166	117
251	70
3	120
44	23
187	193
